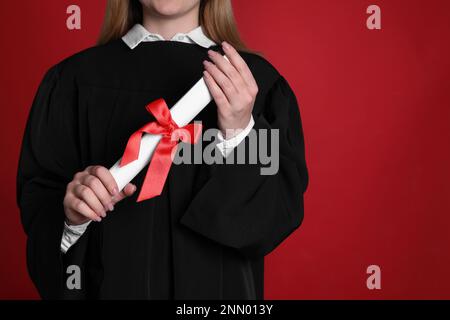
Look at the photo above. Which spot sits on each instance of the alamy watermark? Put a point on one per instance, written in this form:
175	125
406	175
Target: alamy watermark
374	20
73	20
73	281
373	281
259	147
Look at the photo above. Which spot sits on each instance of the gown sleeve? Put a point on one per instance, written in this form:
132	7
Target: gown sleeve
253	213
49	158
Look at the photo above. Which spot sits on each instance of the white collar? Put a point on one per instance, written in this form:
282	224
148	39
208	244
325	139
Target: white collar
138	34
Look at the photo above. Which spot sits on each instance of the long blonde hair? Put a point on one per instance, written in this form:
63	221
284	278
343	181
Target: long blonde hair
215	16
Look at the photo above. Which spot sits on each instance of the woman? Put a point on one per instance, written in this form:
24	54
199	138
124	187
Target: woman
206	235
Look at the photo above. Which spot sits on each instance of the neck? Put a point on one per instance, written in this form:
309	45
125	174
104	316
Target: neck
168	26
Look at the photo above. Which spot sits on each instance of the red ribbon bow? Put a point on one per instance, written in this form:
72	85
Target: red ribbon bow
162	157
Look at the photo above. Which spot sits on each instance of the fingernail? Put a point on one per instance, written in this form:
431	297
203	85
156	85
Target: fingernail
98	219
225	45
111	207
103	214
134	188
210	52
115	191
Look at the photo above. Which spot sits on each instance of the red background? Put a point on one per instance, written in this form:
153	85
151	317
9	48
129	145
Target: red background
376	116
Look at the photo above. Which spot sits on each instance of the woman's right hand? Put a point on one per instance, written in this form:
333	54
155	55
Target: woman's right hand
91	194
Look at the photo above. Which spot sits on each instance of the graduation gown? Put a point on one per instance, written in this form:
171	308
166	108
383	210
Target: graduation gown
207	234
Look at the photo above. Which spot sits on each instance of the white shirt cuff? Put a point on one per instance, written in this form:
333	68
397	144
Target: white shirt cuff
71	234
227	145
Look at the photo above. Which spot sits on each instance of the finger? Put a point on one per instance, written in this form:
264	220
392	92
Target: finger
217	93
228	69
127	191
88	196
239	63
221	79
80	175
82	208
100	191
106	178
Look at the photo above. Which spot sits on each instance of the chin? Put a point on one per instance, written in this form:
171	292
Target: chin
169	7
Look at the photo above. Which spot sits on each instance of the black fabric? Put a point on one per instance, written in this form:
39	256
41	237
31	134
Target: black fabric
206	236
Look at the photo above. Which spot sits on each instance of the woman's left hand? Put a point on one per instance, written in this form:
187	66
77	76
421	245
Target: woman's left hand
233	88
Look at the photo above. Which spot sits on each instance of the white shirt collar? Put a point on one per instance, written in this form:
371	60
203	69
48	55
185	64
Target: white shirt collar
138	34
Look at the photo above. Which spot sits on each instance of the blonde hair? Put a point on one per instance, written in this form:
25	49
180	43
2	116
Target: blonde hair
215	16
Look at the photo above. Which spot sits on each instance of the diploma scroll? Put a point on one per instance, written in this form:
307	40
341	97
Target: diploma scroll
183	112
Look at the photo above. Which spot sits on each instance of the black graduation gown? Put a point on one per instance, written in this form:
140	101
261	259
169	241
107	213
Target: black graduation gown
206	236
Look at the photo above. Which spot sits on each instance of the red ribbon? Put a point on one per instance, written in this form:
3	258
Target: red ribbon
162	157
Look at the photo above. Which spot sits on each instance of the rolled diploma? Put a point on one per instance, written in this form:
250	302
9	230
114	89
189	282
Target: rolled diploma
183	112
